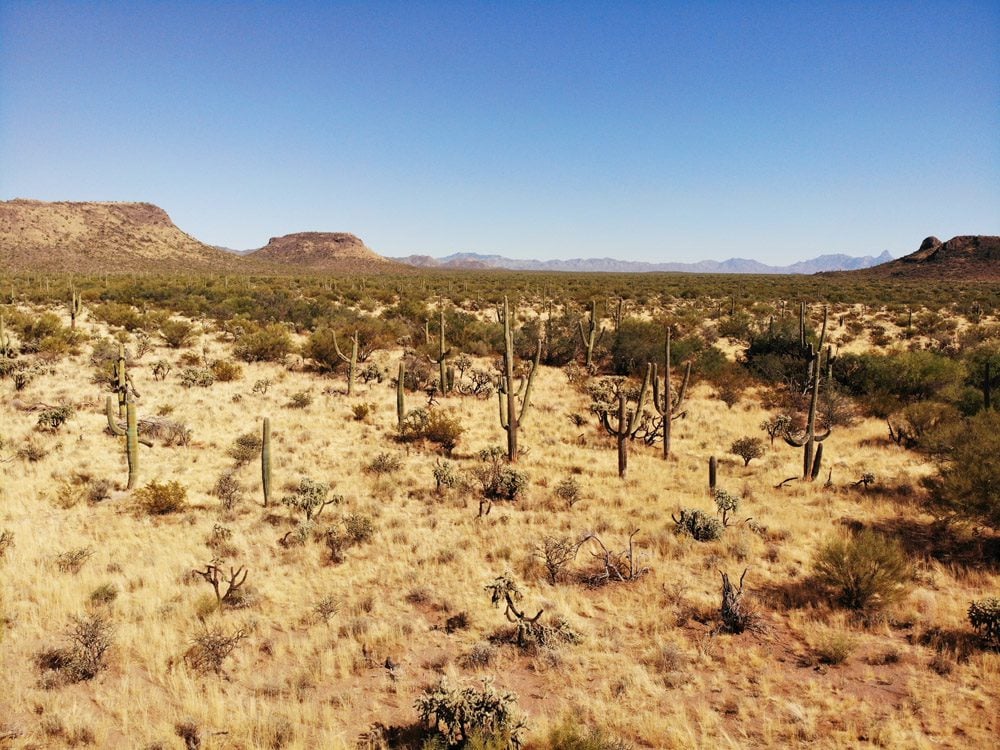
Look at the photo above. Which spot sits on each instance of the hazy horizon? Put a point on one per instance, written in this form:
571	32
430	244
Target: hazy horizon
660	132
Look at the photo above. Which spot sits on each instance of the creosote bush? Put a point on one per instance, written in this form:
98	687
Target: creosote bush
161	498
747	448
863	571
246	448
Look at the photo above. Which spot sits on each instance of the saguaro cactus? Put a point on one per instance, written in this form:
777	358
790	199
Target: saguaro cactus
666	406
508	394
352	361
628	421
400	396
442	358
121	379
590	336
265	461
809	438
75	307
132	444
713	473
6	347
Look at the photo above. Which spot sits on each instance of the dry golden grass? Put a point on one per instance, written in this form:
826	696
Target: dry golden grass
650	667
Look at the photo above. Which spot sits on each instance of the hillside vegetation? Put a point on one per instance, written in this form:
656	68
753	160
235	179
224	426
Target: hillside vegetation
259	512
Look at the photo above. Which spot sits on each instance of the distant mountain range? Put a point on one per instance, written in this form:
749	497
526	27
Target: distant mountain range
114	237
612	265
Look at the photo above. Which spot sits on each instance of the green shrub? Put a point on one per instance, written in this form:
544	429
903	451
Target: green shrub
226	371
299	400
246	448
358	528
384	463
863	571
698	525
498	480
158	499
984	616
264	344
968	481
193	376
177	333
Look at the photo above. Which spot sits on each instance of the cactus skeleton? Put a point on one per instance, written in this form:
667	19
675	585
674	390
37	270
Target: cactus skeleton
352	361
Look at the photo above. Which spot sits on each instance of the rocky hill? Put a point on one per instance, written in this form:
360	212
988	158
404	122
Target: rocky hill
322	251
97	237
962	257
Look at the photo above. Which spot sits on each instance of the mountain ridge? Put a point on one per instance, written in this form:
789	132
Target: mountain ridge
827	262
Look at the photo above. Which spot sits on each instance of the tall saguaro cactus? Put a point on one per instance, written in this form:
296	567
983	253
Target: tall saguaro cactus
6	347
132	444
509	394
442	358
400	396
75	307
352	361
265	461
666	405
809	437
590	336
121	379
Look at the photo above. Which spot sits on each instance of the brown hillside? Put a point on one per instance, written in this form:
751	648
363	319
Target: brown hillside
964	257
97	237
323	251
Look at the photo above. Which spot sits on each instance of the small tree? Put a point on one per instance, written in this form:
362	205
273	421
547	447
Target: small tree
968	480
747	448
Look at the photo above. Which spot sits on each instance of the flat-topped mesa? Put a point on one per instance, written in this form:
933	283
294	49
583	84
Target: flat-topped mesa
99	236
317	249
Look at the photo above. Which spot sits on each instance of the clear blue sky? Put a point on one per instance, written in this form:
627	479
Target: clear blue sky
646	131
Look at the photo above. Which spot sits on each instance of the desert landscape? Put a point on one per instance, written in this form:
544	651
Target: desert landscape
322	499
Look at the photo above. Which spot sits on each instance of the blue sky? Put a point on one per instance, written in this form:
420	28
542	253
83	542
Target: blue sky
644	131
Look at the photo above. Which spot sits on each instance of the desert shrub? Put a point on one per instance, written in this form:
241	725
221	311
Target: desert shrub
725	504
698	525
210	649
498	480
747	448
161	368
71	561
89	640
444	475
103	595
158	499
358	528
6	541
261	386
863	571
176	333
967	484
228	489
118	315
310	498
984	616
568	735
443	429
197	376
226	371
833	648
458	717
555	554
568	490
384	463
299	400
52	418
246	448
361	411
263	344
